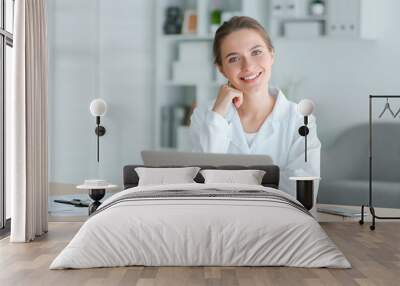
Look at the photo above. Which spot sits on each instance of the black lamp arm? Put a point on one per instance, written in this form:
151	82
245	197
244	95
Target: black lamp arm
100	131
303	131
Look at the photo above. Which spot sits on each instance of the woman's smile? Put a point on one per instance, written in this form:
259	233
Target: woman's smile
250	78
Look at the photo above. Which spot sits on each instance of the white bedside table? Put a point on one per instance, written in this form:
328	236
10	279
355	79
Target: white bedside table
96	193
305	190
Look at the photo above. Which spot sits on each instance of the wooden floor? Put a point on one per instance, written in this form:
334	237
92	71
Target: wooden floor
375	257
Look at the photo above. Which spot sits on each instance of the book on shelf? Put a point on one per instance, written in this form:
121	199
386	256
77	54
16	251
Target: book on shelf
172	117
165	126
342	211
177	117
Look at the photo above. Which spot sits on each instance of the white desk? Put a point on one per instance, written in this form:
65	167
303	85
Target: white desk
324	217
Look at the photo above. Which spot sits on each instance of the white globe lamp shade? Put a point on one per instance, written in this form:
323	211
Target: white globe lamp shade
98	107
305	107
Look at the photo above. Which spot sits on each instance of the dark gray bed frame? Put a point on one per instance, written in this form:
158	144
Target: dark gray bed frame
270	179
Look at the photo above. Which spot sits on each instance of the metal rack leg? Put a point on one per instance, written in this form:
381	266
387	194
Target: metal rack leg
361	221
375	216
372	210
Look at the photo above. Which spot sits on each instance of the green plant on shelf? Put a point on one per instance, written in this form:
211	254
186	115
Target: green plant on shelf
216	17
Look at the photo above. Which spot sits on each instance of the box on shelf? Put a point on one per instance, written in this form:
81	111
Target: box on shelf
191	73
289	8
190	20
302	29
197	51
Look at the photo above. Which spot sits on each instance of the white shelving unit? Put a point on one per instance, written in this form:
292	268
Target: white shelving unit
351	19
342	19
355	19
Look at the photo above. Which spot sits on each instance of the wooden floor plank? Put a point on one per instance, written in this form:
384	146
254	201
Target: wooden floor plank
375	257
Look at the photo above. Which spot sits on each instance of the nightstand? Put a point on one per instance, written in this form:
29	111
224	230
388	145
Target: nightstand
305	190
96	193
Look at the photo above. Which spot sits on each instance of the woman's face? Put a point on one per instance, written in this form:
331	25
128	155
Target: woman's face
246	60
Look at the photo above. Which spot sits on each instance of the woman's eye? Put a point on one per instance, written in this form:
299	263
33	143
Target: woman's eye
233	59
257	52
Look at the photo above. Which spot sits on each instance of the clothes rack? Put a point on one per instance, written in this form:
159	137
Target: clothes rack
370	201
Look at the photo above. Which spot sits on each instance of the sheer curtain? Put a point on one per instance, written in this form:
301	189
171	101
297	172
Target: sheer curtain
28	123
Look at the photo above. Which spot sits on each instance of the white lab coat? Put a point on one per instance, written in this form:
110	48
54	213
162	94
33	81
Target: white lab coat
277	137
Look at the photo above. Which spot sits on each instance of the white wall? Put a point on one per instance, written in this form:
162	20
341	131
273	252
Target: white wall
340	74
104	48
99	48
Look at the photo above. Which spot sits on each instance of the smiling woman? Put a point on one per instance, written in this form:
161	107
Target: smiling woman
248	116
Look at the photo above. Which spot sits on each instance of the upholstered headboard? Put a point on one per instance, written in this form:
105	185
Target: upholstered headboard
270	179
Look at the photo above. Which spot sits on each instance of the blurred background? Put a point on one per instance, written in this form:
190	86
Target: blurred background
151	61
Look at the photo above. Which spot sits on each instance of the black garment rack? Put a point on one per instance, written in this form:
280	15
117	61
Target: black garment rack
370	202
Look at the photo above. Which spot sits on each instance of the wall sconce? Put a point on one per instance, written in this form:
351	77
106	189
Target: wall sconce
305	108
98	107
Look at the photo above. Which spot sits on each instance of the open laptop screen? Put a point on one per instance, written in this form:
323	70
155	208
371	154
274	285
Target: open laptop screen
175	158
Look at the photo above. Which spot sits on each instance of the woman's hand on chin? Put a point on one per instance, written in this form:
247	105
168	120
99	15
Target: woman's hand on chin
227	95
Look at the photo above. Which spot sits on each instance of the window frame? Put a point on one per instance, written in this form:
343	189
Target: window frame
6	39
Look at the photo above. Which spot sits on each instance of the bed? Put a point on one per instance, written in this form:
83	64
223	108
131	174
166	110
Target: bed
201	224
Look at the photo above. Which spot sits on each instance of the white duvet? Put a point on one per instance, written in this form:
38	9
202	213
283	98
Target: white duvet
200	231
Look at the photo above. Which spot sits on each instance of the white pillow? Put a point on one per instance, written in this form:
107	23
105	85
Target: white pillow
249	177
162	176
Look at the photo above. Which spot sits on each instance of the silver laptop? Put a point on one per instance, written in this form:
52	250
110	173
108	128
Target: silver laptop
175	158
